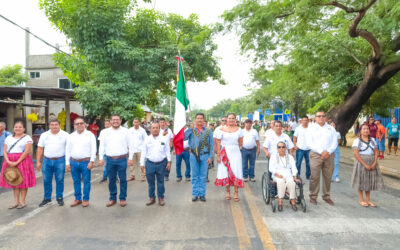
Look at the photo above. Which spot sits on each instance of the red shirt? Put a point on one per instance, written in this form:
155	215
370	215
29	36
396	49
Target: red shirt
372	130
94	129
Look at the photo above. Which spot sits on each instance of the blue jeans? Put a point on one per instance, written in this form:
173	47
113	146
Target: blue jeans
185	155
153	171
300	154
1	162
117	167
105	171
80	171
56	167
336	160
199	174
248	162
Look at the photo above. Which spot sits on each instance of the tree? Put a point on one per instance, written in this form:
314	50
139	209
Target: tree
344	51
12	75
123	56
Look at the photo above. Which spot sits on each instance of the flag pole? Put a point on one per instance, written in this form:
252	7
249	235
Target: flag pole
187	91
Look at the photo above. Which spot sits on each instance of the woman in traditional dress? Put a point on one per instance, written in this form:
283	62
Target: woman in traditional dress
366	174
16	154
229	157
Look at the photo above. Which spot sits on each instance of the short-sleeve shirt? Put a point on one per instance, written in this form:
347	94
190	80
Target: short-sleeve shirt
372	130
54	145
250	138
168	136
393	130
300	133
364	148
20	146
272	140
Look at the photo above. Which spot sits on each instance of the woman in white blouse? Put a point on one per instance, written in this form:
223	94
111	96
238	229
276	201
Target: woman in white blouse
284	172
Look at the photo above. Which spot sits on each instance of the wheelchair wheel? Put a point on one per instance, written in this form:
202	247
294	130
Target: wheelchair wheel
303	205
265	188
273	205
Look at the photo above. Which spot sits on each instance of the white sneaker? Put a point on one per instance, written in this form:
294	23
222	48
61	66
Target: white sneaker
337	179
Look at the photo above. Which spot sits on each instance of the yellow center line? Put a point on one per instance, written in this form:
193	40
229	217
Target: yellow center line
241	231
262	229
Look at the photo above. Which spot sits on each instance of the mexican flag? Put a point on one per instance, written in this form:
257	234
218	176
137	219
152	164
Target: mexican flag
181	105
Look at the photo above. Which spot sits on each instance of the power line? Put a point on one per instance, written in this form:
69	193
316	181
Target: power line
26	30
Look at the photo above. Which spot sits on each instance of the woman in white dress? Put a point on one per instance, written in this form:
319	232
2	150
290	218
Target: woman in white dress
229	157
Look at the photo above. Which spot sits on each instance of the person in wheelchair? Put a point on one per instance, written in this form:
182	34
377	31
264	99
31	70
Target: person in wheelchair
284	172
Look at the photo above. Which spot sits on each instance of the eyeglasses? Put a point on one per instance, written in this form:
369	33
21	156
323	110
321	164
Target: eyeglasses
280	147
79	123
319	116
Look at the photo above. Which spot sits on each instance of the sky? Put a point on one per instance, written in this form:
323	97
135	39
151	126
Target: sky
235	67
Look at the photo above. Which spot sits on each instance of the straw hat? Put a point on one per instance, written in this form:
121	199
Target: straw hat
13	176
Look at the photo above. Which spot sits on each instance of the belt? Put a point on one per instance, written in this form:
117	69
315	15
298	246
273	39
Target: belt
117	157
80	160
249	149
186	148
54	158
157	162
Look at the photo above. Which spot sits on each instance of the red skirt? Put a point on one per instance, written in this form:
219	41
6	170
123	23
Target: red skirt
27	171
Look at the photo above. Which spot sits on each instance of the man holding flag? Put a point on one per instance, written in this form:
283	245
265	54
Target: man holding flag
200	138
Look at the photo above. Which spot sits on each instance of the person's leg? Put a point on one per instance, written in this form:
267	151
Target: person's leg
122	166
327	171
396	141
160	169
252	161
16	196
361	196
59	175
281	187
299	159
105	168
203	171
187	163
179	159
47	175
151	176
195	167
245	162
132	171
112	168
137	162
86	176
390	142
316	165
291	187
76	178
307	158
23	193
336	164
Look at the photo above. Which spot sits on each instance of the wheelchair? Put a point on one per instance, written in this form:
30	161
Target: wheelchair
270	192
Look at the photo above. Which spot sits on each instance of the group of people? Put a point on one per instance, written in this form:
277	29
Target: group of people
234	148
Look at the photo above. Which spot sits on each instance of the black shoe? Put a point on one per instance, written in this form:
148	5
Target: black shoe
294	207
280	208
188	179
166	178
203	198
179	179
195	198
60	201
103	180
44	202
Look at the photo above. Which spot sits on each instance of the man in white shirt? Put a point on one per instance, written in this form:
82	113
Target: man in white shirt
272	139
300	145
138	135
156	158
293	126
80	154
250	150
270	130
107	124
52	144
167	133
116	146
322	140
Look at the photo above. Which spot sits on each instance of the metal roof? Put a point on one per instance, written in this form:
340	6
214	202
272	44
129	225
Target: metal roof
23	104
37	93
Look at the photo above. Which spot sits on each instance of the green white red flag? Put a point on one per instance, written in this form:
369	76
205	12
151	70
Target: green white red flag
181	105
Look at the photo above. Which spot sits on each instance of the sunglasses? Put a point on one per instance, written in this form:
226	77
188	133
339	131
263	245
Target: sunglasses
280	147
319	116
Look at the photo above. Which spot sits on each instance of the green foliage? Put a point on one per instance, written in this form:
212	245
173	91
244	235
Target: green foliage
12	75
124	56
303	53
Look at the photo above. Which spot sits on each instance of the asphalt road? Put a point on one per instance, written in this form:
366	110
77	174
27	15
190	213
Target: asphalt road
217	223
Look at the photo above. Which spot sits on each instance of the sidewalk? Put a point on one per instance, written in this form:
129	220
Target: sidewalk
389	165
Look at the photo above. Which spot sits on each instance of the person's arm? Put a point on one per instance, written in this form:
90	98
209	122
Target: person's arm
295	142
143	154
376	155
68	154
211	144
358	158
218	150
258	147
168	153
93	151
39	153
5	154
265	148
101	148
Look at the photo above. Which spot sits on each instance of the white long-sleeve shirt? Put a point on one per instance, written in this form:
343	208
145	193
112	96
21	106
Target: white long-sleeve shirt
321	138
115	142
80	146
137	136
155	149
278	164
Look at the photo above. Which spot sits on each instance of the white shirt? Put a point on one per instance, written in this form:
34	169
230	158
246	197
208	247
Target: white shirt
300	133
168	136
137	137
268	133
115	142
155	149
217	131
186	144
321	138
278	164
362	147
80	146
272	140
20	146
250	138
53	144
293	125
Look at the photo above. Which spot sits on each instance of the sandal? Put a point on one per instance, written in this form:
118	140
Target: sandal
236	198
21	206
13	206
371	204
363	203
